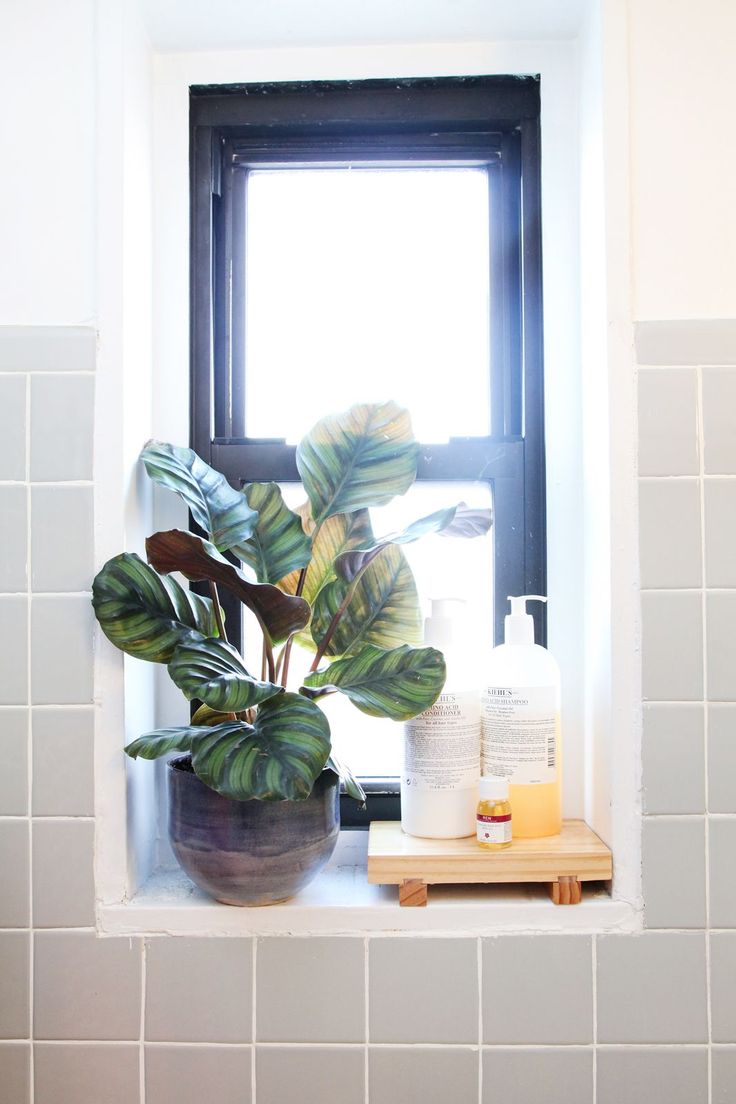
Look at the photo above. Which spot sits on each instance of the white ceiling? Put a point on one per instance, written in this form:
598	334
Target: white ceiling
242	24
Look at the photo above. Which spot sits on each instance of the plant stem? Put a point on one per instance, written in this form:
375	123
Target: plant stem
286	654
324	643
218	611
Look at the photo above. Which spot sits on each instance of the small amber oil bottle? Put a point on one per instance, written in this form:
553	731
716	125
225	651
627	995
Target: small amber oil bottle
493	818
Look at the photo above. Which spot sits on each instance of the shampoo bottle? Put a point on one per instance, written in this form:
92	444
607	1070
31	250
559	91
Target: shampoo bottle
520	710
439	782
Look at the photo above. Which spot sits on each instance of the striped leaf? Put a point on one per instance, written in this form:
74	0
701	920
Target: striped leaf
213	672
398	684
279	614
455	521
145	614
278	544
361	458
384	610
276	759
218	508
352	786
160	742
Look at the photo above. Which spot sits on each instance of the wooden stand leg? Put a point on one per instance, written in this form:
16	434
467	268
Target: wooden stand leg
413	892
567	890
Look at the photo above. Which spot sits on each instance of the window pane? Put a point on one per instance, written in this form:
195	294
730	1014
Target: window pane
365	285
444	567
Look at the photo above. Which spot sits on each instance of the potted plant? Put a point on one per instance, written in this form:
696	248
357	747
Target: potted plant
254	797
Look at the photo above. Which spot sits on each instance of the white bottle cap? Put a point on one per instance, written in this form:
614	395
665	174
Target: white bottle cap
518	626
440	628
494	789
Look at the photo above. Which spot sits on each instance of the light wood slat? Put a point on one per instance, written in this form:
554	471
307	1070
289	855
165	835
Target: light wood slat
577	852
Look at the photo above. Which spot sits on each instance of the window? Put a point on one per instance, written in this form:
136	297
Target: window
428	192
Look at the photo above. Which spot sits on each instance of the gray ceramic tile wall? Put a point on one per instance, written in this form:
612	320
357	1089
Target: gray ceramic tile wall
584	1018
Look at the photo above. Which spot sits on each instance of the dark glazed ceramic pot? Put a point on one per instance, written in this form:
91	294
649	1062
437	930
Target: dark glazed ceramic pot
250	852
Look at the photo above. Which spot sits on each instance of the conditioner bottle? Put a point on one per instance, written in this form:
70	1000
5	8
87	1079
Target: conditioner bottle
439	782
520	709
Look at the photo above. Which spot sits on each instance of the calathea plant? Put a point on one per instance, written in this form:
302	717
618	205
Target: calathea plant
322	580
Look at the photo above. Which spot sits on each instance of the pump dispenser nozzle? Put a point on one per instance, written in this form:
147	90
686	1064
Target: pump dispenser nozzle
519	625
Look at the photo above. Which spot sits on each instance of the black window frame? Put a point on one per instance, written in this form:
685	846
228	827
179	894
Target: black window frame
492	121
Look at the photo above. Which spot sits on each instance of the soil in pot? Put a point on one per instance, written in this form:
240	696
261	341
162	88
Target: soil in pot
250	852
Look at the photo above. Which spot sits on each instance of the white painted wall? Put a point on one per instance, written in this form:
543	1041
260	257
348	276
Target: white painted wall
683	158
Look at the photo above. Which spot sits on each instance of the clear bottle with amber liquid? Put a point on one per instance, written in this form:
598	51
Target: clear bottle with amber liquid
493	818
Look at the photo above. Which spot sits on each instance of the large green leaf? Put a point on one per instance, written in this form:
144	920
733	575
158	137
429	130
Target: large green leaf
278	544
352	786
279	614
361	458
146	615
218	508
384	610
397	684
455	521
276	759
213	671
160	742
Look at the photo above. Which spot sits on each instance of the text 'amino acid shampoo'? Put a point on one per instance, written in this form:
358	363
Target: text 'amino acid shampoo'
439	782
520	715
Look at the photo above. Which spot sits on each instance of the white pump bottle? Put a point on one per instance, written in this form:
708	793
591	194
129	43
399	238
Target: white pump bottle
439	782
520	710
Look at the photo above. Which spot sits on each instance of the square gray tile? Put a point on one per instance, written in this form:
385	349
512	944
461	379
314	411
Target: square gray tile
12	427
667	506
61	650
673	872
199	990
523	977
15	975
672	646
719	420
524	1076
86	987
63	873
13	651
290	970
668	412
722	883
47	349
720	611
62	542
650	1074
720	532
15	850
723	986
723	1072
191	1075
14	757
93	1073
14	545
62	418
651	988
722	758
63	762
423	990
15	1072
673	758
310	1075
426	1075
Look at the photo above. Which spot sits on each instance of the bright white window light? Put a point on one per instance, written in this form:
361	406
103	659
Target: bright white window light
364	285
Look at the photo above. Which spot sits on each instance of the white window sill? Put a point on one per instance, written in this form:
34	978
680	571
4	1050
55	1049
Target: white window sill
340	901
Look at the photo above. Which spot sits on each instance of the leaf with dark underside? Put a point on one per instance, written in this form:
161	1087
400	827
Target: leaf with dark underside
363	457
146	615
218	508
278	544
213	672
398	684
152	745
279	614
276	759
384	610
455	521
352	786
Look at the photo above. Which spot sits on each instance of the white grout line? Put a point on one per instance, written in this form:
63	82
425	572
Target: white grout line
142	1038
479	943
366	1014
29	730
254	972
704	604
594	968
